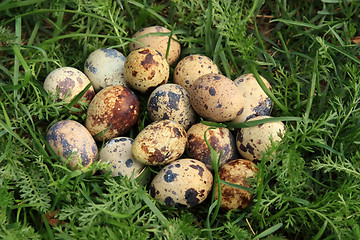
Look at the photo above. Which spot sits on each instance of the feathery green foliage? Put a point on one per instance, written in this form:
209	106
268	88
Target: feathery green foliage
308	184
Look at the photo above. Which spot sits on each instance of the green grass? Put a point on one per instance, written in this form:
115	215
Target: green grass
308	190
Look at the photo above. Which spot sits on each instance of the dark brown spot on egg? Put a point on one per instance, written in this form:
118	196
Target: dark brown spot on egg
212	91
250	149
191	197
65	86
240	111
199	168
152	75
243	148
169	201
145	51
156	157
134	73
216	77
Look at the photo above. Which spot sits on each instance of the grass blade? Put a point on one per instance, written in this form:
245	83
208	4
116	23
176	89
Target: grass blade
268	231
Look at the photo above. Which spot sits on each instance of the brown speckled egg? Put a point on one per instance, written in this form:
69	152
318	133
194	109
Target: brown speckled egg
240	172
145	69
105	67
253	141
112	112
150	37
67	82
159	143
220	139
73	143
171	101
117	153
257	102
191	68
183	183
216	97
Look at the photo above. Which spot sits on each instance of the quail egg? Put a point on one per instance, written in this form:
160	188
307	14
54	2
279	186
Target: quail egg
105	67
112	112
117	152
73	143
240	172
191	68
257	102
67	82
216	97
171	101
154	37
183	183
159	143
145	69
220	139
251	142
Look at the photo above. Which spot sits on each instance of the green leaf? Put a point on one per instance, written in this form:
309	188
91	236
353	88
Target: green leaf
268	231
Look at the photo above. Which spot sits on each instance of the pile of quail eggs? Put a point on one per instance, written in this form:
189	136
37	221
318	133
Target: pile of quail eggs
174	143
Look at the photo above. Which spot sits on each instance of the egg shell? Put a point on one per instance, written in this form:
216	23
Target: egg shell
148	37
221	139
183	183
159	143
68	82
257	102
216	97
145	69
171	101
115	110
253	141
117	153
73	143
105	67
191	68
238	171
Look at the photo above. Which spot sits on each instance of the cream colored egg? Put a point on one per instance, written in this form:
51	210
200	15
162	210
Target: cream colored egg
117	153
159	143
184	183
257	102
220	139
73	143
216	97
112	112
191	68
67	82
171	101
251	142
145	69
105	67
154	37
240	172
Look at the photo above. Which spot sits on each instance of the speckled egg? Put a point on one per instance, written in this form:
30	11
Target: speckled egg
216	97
240	172
183	183
117	153
220	139
73	143
257	102
145	69
112	112
152	37
253	141
191	68
159	143
68	82
105	67
171	101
